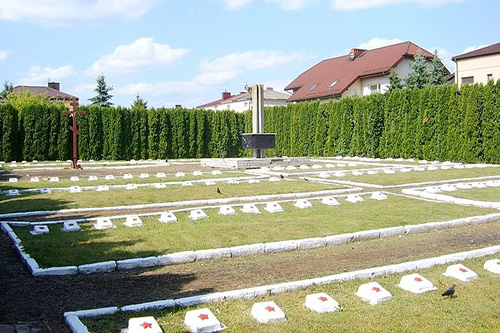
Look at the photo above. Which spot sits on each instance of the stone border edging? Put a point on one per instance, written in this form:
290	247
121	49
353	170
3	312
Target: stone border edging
451	199
72	318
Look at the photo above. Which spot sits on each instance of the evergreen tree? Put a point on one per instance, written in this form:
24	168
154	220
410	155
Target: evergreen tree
103	97
438	71
419	77
395	80
7	89
139	103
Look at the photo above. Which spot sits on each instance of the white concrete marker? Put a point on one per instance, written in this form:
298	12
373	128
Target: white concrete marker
144	175
492	266
303	167
273	207
278	168
131	187
13	192
69	226
432	168
110	177
267	312
167	217
250	209
324	175
274	179
44	191
53	179
13	180
416	284
339	174
161	175
197	173
197	214
291	167
102	188
233	182
423	161
104	223
419	169
460	272
378	196
133	221
128	176
209	183
341	165
253	181
357	173
354	198
372	172
143	324
91	178
330	201
34	179
303	204
317	166
445	167
187	184
448	188
493	183
389	171
405	170
321	303
160	185
75	189
373	293
201	321
74	179
462	186
40	229
216	172
227	210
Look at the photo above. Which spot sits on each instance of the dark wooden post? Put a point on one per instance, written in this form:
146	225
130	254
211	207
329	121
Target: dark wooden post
73	112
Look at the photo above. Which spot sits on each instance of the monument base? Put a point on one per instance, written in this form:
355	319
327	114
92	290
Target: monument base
251	163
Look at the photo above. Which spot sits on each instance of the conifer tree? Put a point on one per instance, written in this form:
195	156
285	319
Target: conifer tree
7	89
419	77
395	81
438	71
139	103
103	97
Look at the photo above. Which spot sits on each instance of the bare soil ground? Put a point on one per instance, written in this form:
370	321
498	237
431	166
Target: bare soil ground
25	298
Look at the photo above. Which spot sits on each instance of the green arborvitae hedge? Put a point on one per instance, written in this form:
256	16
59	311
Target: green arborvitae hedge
433	123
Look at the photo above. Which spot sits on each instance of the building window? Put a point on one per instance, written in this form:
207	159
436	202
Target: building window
374	88
333	84
313	87
489	77
468	80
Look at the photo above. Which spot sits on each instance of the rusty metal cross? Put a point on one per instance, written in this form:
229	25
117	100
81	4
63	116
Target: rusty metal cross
73	112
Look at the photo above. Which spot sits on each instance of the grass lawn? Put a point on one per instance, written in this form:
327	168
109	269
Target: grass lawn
481	194
147	195
474	309
400	178
58	248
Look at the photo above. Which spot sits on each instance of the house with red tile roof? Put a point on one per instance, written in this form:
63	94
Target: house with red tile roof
52	92
243	101
359	73
478	66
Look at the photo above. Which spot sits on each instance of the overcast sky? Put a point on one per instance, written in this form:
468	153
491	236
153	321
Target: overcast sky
188	51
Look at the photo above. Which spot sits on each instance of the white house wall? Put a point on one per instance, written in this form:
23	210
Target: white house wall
479	68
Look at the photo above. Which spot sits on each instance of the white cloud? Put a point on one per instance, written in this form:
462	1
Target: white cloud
472	48
235	4
53	12
141	53
159	88
37	75
291	4
365	4
378	42
3	55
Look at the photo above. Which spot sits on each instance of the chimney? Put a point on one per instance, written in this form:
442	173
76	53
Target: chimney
225	95
54	85
355	53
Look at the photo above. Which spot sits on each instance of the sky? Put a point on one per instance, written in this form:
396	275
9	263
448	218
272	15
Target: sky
188	52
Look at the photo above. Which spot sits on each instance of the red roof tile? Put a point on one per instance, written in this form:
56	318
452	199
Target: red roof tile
219	101
346	72
49	92
492	49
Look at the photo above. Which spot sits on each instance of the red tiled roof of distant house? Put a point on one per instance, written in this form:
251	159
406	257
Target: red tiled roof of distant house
492	49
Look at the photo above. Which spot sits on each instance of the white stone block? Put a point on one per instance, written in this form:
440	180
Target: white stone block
357	173
110	177
392	231
34	179
330	201
201	321
339	174
12	192
216	172
197	214
32	265
284	246
13	180
317	166
226	210
102	188
104	223
197	173
415	283
92	178
161	175
278	168
273	207
373	293
167	217
168	303
493	183
137	263
448	188
303	204
324	175
341	165
310	243
432	168
131	187
93	312
233	182
378	196
75	189
492	266
128	176
209	182
250	209
459	271
365	235
100	267
338	239
389	171
354	198
303	167
75	324
254	181
291	167
274	179
372	172
246	250
133	221
213	254
54	271
144	175
40	229
143	324
445	167
69	226
321	303
74	179
160	185
267	312
187	184
177	258
405	170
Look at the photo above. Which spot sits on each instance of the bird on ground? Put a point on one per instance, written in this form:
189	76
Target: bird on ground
281	176
218	190
450	291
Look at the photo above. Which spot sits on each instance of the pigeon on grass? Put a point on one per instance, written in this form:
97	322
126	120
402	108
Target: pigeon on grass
450	292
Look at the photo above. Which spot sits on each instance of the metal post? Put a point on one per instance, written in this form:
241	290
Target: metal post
258	115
